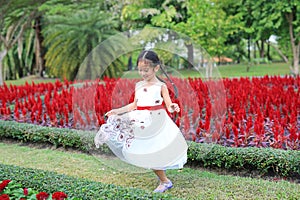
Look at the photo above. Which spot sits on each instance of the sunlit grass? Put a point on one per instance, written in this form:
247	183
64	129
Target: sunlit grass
222	71
226	71
240	70
29	80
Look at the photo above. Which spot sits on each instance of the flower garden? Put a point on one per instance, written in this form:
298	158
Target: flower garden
260	112
238	112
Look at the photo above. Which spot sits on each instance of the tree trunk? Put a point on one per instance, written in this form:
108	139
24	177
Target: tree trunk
262	49
129	64
254	50
249	47
279	52
190	56
39	55
295	47
268	52
20	70
2	55
296	60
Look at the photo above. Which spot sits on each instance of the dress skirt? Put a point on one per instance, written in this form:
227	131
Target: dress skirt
145	138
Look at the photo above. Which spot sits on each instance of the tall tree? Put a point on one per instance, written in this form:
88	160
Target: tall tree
291	19
280	18
71	37
39	49
208	25
283	18
141	14
15	17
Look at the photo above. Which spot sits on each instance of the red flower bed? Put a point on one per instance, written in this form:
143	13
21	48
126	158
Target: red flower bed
10	190
240	112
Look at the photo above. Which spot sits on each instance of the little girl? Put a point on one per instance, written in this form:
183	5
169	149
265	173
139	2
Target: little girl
142	133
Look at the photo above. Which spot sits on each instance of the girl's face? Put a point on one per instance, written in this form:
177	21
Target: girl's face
147	72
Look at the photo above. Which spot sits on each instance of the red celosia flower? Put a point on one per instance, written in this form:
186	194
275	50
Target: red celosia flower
42	196
25	190
3	184
4	197
59	196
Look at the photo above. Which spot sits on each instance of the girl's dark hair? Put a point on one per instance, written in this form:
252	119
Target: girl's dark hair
151	58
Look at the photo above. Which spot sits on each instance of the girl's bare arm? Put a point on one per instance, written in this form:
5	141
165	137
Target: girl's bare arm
123	109
167	99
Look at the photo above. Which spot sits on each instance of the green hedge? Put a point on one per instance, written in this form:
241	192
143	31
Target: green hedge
59	137
265	160
74	187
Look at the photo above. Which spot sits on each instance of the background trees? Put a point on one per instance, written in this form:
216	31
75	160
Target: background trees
74	36
54	36
280	18
15	19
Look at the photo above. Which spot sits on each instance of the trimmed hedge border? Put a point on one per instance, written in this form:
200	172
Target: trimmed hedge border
284	163
266	161
58	137
74	187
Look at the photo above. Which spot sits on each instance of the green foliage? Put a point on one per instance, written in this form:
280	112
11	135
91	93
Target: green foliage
74	187
210	26
20	59
59	137
265	160
15	191
15	19
71	38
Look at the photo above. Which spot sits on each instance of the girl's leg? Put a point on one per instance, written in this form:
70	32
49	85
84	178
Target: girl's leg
161	175
165	183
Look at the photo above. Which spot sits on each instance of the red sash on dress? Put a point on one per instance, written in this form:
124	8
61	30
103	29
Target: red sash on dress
150	107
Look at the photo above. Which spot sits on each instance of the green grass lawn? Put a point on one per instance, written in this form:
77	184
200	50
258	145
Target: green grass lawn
188	183
223	71
240	70
29	80
227	71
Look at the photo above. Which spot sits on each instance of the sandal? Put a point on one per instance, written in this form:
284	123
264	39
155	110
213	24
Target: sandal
164	187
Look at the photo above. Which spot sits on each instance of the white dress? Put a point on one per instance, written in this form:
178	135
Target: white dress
146	137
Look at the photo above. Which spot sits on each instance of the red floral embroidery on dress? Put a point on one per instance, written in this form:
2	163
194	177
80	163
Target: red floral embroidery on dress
121	136
118	129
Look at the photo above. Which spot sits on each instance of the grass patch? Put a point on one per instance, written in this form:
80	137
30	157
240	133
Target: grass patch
224	71
29	80
227	71
240	70
188	183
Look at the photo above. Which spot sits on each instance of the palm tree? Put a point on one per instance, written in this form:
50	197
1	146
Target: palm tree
15	18
70	38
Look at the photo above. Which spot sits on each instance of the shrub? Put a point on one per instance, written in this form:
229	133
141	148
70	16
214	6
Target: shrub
58	137
265	160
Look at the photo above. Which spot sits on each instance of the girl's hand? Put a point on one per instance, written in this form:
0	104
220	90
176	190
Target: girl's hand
111	112
173	107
